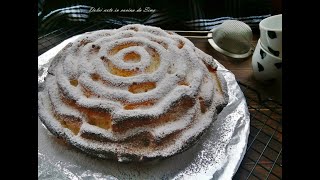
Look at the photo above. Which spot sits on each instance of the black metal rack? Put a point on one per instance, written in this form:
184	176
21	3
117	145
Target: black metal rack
263	159
47	41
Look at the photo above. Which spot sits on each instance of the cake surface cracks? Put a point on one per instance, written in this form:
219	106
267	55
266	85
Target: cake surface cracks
137	92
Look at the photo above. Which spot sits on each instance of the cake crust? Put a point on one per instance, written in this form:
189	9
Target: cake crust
132	94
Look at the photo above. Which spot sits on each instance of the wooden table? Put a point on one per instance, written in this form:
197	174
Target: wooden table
242	69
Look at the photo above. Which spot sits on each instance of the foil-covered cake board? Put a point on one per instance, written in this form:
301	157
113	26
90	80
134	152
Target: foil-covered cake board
217	155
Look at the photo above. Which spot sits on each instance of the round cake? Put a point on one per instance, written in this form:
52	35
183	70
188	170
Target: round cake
131	94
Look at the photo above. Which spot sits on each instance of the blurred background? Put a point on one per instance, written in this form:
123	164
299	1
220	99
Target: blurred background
167	14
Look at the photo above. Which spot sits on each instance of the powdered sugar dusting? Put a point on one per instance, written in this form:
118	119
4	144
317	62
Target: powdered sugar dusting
168	76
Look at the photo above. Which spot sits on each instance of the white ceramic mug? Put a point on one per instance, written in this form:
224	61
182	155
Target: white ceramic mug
271	34
265	65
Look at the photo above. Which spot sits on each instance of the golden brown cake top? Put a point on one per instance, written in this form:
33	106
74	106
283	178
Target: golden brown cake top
132	74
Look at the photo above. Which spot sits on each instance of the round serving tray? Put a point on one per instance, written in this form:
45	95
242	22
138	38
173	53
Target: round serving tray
217	155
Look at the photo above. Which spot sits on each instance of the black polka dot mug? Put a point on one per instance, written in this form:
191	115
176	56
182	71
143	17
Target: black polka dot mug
271	34
266	67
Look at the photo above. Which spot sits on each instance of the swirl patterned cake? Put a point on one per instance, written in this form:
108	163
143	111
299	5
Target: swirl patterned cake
131	94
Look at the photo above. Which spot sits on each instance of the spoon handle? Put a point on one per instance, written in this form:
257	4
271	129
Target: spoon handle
179	31
198	37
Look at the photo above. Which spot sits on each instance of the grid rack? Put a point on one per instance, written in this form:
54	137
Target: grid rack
263	159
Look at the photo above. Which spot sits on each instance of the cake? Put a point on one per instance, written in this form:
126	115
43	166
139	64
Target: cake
132	94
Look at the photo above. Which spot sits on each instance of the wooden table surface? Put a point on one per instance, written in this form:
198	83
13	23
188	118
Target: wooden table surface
242	69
